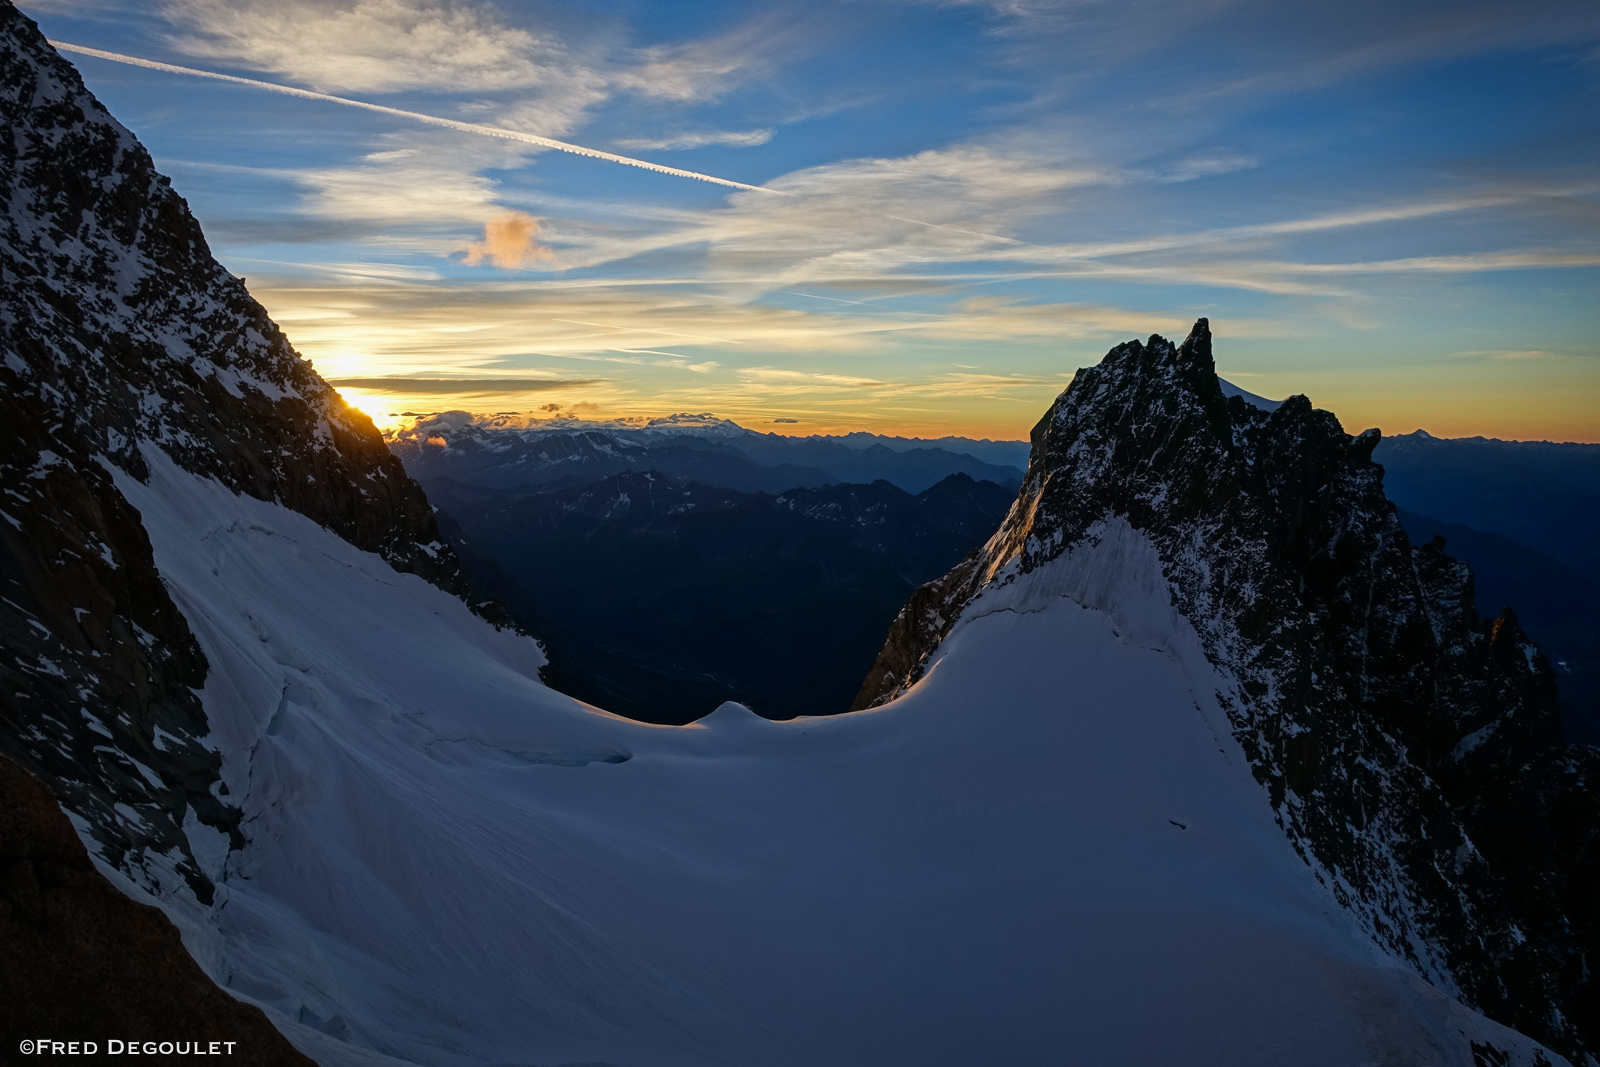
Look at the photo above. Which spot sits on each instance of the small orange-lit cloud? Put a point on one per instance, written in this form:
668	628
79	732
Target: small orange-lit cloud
510	243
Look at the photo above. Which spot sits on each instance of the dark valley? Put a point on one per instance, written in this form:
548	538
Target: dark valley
660	600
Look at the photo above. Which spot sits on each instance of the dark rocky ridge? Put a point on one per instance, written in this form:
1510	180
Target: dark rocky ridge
1554	605
1412	751
118	332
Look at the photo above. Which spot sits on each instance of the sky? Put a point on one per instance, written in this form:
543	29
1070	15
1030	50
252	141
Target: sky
909	217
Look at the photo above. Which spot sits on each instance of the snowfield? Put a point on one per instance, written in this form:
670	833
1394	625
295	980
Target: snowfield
1049	851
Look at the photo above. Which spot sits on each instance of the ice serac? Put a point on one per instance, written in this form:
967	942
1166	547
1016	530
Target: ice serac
119	331
1411	751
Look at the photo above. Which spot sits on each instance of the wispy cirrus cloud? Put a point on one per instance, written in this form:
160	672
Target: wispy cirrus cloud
400	384
497	132
349	328
1208	166
380	45
1531	259
846	223
903	222
528	76
1509	353
805	379
701	69
398	190
1224	48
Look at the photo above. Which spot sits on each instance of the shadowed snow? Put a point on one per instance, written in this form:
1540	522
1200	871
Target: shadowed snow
1049	850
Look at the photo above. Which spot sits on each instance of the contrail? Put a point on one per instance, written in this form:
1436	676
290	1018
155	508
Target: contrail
417	116
486	131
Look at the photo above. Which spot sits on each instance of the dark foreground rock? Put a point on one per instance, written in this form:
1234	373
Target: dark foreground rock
79	961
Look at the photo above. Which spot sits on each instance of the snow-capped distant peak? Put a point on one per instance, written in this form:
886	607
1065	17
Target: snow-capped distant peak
705	425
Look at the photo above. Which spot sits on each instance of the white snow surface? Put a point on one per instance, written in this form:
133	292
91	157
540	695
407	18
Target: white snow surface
1050	850
1229	389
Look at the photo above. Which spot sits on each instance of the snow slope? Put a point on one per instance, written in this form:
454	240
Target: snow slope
1229	389
1050	850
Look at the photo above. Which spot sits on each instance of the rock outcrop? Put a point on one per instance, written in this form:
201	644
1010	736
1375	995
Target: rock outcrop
1411	750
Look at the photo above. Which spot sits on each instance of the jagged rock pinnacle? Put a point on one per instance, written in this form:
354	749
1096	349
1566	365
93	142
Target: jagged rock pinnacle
1376	709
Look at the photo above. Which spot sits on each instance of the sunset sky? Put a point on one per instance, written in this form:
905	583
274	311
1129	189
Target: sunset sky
1392	207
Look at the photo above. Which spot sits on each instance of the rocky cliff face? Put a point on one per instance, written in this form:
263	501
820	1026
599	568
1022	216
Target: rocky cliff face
118	333
1411	750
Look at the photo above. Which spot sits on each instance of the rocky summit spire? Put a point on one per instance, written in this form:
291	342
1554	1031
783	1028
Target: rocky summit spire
1411	750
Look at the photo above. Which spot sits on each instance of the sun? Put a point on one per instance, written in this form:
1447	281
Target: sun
379	407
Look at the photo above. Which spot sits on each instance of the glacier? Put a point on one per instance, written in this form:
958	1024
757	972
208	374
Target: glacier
1049	849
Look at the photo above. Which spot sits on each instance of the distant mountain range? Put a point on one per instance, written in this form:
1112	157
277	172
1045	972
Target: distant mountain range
1542	494
661	600
1000	453
517	458
673	564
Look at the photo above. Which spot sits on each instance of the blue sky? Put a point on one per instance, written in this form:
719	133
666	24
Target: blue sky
1392	207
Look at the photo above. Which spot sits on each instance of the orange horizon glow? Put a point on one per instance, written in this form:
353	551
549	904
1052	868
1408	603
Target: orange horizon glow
1355	414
